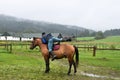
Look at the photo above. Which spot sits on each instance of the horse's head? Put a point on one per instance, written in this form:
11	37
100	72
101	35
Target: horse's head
35	42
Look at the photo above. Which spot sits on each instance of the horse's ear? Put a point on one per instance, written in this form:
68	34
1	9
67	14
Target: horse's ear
34	38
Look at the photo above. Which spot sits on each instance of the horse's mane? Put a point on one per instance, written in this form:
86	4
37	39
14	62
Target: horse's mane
34	38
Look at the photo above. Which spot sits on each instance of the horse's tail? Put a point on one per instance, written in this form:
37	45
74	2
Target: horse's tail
77	55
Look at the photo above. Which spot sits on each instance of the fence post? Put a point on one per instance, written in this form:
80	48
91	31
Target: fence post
94	51
10	48
7	46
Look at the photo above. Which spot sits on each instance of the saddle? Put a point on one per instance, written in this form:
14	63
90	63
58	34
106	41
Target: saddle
56	46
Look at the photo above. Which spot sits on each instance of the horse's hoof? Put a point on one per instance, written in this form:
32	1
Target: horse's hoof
68	74
46	71
75	71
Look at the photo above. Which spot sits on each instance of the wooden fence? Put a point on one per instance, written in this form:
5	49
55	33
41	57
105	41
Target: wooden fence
95	49
8	47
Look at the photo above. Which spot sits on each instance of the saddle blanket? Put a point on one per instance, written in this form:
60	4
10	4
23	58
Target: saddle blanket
56	47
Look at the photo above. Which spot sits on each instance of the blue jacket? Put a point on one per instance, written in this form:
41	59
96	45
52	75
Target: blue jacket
45	38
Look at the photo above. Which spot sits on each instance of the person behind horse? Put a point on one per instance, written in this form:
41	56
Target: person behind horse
49	40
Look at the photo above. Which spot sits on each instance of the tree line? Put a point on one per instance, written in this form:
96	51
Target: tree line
99	34
12	24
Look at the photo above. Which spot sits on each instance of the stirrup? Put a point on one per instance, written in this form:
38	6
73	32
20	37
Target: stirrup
53	57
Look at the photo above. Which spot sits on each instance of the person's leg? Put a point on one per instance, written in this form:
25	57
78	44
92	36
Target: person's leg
56	39
50	45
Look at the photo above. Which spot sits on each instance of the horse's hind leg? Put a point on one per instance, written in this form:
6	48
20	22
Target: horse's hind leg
71	61
75	70
70	65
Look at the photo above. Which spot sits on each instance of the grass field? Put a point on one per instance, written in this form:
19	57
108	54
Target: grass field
107	39
111	39
25	64
85	38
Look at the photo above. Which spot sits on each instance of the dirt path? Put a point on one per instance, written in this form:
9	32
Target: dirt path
81	72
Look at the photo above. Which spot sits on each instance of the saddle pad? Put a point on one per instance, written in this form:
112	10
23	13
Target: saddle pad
56	47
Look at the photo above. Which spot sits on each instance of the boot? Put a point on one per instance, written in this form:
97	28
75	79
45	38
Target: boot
53	55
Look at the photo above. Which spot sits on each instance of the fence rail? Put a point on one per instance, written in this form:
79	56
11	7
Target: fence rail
95	49
8	47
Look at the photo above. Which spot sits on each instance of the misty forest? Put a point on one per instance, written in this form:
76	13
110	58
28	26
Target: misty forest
18	25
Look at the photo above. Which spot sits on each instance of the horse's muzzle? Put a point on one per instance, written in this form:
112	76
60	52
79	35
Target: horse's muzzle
31	48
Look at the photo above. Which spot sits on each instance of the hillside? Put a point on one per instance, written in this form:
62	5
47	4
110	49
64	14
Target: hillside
112	32
13	24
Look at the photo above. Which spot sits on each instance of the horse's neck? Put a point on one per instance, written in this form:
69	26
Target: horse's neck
42	46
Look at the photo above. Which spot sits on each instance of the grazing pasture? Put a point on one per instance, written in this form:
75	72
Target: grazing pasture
26	64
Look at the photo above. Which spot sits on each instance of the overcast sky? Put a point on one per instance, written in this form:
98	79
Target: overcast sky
90	14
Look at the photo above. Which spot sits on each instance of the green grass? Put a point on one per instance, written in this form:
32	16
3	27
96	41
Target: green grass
12	59
85	38
25	64
111	39
107	59
108	42
29	65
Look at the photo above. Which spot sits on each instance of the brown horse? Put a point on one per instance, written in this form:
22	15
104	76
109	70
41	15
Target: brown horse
65	50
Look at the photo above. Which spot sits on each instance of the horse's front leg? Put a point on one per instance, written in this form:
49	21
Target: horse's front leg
47	63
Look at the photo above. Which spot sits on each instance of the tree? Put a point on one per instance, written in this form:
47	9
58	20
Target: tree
99	35
112	32
84	33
